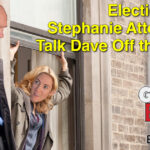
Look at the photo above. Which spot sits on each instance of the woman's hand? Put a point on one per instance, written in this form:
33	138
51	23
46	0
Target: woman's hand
13	50
63	62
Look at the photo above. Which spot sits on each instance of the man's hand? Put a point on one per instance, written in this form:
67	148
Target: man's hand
13	50
63	62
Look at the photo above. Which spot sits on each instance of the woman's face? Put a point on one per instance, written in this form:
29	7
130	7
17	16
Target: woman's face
41	88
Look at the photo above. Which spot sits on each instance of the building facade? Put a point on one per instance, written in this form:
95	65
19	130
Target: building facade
104	111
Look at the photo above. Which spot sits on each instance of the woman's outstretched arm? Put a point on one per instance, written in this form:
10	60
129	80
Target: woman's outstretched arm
65	82
14	91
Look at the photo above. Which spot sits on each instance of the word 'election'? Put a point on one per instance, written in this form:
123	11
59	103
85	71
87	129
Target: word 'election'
116	10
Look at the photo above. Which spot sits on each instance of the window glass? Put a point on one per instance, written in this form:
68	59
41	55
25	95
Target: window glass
37	13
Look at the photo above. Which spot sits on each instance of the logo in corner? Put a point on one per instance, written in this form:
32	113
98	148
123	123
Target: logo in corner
144	96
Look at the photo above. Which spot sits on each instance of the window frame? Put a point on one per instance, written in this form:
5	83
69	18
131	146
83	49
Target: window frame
41	33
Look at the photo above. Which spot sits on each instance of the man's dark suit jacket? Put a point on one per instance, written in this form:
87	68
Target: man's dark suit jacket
6	135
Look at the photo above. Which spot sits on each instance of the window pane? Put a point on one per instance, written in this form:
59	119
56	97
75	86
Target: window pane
37	13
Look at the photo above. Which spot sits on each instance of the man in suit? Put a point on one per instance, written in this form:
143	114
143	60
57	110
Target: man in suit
6	135
3	24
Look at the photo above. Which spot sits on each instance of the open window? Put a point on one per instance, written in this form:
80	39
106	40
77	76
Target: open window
29	21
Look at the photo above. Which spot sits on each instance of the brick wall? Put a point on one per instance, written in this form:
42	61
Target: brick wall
129	71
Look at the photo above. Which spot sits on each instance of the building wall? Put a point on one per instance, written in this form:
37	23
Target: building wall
128	127
124	112
97	82
128	75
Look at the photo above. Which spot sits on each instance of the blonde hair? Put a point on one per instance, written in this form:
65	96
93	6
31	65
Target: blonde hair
26	84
